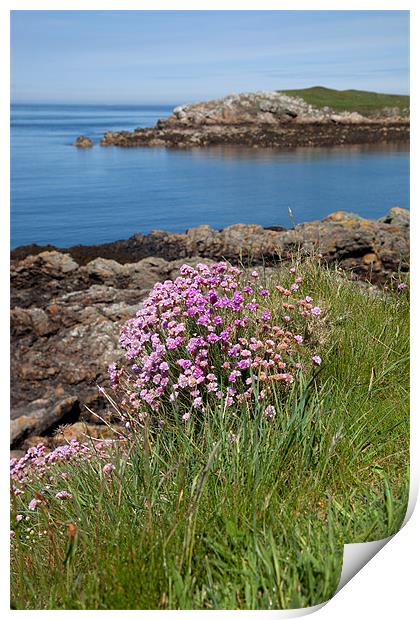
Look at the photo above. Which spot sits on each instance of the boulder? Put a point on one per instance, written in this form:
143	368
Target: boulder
82	142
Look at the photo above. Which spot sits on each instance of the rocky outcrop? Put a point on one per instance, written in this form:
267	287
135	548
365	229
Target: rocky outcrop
262	107
281	136
82	142
68	305
264	119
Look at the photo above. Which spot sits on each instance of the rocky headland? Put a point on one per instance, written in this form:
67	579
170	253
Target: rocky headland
68	305
266	119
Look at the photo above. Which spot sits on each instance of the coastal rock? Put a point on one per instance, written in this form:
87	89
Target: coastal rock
397	217
82	142
68	305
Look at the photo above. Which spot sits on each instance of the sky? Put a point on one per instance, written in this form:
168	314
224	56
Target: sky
173	57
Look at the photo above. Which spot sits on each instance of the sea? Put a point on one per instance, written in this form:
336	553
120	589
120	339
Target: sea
67	196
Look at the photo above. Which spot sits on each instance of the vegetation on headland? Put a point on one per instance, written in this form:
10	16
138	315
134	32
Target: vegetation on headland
243	510
351	100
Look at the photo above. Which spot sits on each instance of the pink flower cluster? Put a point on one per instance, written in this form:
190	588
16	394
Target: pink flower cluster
212	335
39	463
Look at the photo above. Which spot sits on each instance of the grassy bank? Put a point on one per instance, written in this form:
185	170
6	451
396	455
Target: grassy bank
240	511
351	100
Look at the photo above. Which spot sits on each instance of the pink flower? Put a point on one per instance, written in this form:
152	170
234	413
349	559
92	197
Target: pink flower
294	287
63	495
108	468
316	360
266	315
254	274
186	416
19	518
270	412
33	504
401	286
298	339
316	311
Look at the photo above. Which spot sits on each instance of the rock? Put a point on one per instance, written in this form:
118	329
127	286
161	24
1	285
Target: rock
81	431
397	217
38	420
102	269
348	118
82	142
342	216
17	454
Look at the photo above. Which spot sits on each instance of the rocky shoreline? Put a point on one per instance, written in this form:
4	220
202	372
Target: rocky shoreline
292	135
68	305
267	119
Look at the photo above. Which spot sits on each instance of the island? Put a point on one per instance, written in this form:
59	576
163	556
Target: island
310	117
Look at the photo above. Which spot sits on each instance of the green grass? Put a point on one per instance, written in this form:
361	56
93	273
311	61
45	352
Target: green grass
190	520
351	100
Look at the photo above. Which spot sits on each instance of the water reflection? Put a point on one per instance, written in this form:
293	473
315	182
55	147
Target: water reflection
298	154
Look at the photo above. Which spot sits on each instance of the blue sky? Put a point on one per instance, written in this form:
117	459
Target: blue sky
179	56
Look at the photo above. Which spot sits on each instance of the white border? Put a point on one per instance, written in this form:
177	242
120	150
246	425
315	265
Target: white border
387	586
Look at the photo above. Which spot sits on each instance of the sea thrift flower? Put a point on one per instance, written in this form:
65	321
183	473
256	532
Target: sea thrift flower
19	518
200	339
316	360
33	504
401	286
269	412
63	495
186	416
316	311
108	468
113	373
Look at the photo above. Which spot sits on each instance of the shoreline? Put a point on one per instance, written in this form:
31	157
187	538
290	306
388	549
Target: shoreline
255	135
340	236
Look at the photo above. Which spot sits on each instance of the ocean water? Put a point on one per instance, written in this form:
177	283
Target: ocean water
66	196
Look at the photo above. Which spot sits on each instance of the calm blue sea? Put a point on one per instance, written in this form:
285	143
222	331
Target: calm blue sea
65	196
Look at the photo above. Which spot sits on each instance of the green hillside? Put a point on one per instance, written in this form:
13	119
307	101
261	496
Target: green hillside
352	100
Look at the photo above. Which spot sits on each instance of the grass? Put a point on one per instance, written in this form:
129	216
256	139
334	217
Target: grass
351	100
192	520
